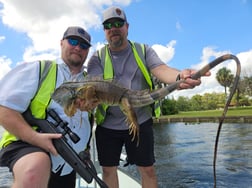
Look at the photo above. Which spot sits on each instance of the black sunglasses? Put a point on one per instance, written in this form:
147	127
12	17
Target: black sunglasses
76	42
116	24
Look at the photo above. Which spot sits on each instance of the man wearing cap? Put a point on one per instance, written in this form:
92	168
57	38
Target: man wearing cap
29	154
130	64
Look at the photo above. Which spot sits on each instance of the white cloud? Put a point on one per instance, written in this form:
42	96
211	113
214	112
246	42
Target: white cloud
178	26
4	66
210	84
2	38
167	52
246	62
44	21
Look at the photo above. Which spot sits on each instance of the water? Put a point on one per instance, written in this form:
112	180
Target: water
184	156
5	175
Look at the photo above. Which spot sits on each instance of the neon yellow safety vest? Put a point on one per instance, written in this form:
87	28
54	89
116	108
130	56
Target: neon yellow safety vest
39	104
139	54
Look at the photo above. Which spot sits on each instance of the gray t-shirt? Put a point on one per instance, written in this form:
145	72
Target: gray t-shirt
128	74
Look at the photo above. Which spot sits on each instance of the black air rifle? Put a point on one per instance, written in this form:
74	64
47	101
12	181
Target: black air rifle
84	168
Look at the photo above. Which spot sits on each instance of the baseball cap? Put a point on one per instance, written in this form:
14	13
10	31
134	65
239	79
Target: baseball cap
114	12
79	32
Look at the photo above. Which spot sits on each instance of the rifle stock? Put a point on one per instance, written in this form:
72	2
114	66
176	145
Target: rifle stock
83	168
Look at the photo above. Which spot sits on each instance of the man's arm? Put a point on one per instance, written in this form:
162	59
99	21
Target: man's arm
13	122
169	75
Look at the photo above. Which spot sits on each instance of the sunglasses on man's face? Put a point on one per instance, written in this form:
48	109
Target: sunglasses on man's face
76	42
116	24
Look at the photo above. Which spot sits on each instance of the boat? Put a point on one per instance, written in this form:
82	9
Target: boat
125	179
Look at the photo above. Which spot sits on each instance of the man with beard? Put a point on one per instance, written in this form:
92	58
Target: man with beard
132	65
29	154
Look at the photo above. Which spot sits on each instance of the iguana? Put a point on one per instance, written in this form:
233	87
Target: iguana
103	91
108	91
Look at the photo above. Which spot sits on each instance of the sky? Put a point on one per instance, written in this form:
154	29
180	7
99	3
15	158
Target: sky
184	33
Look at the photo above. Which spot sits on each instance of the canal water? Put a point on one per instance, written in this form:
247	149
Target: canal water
184	156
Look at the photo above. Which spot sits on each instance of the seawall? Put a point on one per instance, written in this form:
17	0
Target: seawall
228	119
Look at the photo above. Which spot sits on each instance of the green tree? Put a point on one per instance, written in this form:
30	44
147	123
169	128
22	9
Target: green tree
183	104
225	78
168	107
248	85
196	102
209	101
244	88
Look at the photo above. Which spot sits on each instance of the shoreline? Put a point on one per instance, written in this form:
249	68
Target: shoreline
216	119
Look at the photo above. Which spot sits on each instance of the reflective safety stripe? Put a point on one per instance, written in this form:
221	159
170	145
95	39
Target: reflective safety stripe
108	67
157	109
100	113
141	65
46	87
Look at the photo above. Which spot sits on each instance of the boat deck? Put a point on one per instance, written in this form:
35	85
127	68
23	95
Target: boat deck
125	181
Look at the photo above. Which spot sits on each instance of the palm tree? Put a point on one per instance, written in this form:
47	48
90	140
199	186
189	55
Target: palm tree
225	78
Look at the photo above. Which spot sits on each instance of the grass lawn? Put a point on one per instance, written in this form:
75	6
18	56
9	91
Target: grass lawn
232	111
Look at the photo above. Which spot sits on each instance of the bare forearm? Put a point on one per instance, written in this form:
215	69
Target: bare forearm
13	122
168	75
165	74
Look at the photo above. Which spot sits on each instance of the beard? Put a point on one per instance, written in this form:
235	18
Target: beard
75	63
116	44
75	60
116	40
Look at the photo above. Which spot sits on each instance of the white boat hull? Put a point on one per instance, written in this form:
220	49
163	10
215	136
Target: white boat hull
125	181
